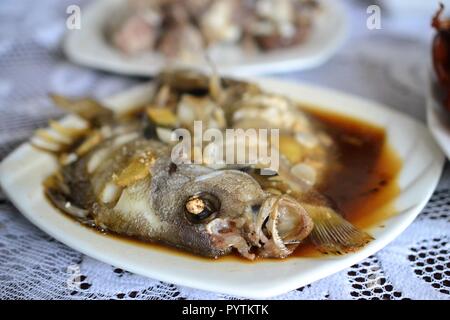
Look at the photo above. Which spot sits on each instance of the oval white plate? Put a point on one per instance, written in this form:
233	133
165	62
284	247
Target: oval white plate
87	46
22	173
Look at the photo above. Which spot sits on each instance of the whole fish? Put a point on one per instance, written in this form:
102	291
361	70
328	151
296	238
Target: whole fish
119	175
190	207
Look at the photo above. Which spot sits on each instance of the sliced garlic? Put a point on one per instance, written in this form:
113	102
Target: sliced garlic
44	145
164	134
125	138
106	131
110	193
68	132
185	112
325	139
307	139
305	172
97	158
191	108
275	111
52	136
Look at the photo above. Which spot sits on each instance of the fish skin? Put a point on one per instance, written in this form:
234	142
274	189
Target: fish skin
237	192
152	209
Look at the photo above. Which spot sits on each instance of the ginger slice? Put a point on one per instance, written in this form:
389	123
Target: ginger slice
137	169
162	116
90	143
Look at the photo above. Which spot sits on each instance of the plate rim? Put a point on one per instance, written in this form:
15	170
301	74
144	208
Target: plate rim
257	291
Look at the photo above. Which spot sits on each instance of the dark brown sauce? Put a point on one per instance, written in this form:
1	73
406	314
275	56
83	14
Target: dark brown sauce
366	179
362	187
365	184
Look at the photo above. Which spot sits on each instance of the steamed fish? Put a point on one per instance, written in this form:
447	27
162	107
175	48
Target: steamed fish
118	173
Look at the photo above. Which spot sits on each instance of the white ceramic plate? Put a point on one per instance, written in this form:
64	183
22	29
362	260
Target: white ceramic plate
88	46
438	121
22	173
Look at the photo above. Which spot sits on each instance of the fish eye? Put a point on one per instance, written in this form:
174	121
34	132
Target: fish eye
201	207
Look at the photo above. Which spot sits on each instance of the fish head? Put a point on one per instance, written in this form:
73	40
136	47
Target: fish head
211	212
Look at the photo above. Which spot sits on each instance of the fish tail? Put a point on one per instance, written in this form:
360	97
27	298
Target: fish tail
332	234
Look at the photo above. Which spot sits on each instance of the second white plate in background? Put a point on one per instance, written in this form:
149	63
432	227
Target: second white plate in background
88	46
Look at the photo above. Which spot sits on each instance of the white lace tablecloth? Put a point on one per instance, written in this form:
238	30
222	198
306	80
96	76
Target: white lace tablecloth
388	65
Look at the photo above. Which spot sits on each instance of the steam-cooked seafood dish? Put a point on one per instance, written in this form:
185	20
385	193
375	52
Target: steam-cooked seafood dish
131	174
184	29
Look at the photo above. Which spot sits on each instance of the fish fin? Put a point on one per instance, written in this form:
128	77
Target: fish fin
332	233
57	192
87	108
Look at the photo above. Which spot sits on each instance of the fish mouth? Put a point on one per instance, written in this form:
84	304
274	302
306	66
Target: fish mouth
230	233
282	224
277	229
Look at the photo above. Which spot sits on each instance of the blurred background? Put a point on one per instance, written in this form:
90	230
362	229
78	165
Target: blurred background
387	64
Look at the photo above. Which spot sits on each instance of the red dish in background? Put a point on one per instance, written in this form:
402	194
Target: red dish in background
441	56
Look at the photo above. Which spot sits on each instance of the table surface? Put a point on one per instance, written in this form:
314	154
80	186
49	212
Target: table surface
389	65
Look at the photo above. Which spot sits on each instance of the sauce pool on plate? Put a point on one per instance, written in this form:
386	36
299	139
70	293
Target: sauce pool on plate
365	184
